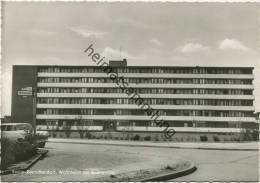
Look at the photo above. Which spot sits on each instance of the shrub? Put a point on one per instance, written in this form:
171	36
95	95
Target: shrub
60	134
7	153
216	138
12	151
121	138
81	134
147	138
109	135
237	139
246	135
105	137
250	134
112	176
188	139
54	134
88	135
23	151
136	137
156	138
255	134
203	138
67	133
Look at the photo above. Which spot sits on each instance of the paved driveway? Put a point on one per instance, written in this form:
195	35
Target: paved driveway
213	165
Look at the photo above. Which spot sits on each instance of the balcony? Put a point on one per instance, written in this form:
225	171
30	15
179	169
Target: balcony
147	85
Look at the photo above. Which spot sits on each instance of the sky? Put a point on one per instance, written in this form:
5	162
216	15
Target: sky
176	34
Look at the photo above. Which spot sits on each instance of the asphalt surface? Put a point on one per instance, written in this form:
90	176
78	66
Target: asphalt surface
80	162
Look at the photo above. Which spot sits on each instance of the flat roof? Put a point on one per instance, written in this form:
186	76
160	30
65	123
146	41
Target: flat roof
12	124
136	66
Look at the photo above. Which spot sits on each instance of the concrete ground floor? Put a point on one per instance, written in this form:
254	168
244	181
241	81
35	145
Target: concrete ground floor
156	136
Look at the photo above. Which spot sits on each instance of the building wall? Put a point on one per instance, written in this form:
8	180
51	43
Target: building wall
201	97
184	96
22	107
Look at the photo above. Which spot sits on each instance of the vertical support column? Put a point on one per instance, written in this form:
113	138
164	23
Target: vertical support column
193	123
34	109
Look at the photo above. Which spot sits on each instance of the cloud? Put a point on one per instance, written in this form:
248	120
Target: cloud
114	54
232	44
111	53
156	42
129	21
192	47
87	32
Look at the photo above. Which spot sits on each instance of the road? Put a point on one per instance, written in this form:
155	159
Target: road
81	162
222	165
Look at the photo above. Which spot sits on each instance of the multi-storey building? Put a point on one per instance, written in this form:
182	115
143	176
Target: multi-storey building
190	99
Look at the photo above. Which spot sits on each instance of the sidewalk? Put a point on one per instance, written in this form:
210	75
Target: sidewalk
240	146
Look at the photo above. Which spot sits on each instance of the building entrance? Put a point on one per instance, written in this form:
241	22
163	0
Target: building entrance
110	126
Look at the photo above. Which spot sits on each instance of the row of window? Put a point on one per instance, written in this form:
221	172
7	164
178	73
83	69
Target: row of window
178	70
147	90
180	124
143	113
144	80
154	101
128	124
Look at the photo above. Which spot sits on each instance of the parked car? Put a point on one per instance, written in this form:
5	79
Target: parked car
22	132
44	133
42	137
17	131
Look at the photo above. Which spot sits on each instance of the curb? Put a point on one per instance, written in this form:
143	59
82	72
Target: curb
226	149
176	147
169	176
35	159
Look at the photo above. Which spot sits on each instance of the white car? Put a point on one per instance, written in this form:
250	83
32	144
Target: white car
17	131
22	132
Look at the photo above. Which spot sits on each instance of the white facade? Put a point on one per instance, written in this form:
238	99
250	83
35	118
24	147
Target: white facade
201	99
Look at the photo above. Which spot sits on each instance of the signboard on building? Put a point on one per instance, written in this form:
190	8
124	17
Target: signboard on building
27	91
